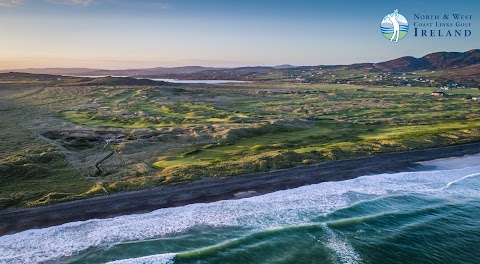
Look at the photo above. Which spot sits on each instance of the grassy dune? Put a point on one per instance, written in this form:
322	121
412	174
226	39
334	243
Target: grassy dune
32	171
54	138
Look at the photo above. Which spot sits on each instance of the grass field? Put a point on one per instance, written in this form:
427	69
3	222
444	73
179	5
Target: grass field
32	171
54	140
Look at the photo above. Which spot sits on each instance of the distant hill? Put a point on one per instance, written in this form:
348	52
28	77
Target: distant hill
241	73
439	61
53	71
158	71
113	81
28	76
433	61
76	81
284	66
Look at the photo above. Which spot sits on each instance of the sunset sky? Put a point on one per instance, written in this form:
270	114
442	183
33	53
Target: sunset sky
118	34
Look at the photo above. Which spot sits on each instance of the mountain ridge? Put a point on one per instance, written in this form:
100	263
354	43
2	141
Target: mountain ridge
430	62
433	61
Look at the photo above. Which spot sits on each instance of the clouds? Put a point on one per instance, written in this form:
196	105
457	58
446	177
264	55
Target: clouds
10	3
81	2
72	2
13	3
158	5
87	3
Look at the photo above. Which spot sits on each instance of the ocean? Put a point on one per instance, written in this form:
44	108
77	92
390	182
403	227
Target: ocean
199	81
431	215
172	80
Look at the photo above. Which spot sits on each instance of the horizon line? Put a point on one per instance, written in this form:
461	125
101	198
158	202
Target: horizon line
219	67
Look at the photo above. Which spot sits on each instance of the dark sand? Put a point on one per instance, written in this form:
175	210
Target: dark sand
214	189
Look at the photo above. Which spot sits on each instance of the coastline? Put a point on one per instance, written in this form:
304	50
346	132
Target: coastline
214	189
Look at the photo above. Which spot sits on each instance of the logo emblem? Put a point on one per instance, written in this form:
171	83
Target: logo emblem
394	26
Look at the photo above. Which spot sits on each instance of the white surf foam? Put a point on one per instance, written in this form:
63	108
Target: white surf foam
283	208
454	163
155	259
344	252
461	179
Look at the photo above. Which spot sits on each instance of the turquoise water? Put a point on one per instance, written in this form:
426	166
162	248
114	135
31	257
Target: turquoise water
430	216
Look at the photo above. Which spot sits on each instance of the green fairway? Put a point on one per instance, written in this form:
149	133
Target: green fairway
243	147
170	135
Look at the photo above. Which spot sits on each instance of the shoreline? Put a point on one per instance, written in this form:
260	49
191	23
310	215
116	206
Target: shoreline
215	189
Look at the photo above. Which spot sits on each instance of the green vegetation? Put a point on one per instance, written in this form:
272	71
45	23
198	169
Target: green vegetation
68	142
32	171
215	153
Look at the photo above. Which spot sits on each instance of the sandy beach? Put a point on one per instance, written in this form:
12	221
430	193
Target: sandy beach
214	189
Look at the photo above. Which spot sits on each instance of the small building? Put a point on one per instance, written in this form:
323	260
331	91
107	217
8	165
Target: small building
441	94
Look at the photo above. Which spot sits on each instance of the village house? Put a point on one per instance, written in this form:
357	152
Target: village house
442	94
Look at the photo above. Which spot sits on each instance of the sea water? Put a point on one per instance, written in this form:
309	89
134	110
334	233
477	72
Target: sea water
199	81
427	216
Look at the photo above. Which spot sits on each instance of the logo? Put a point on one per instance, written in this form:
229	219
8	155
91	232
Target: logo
394	26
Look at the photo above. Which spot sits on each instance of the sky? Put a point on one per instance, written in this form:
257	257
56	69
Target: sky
121	34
